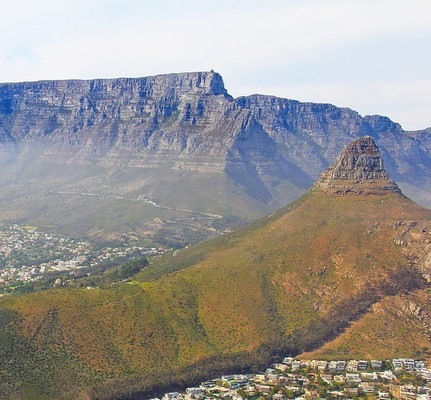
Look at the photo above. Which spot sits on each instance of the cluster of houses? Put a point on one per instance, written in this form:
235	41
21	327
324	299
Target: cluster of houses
400	378
29	254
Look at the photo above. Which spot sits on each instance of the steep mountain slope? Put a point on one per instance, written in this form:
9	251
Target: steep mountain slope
288	283
181	141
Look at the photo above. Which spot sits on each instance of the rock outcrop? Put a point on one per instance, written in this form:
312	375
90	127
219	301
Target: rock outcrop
358	170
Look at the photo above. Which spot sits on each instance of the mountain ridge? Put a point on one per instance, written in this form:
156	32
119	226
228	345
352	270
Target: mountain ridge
167	90
181	141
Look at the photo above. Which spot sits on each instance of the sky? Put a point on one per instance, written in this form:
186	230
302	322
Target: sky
373	56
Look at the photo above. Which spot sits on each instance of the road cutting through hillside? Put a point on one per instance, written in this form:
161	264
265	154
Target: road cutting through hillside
144	200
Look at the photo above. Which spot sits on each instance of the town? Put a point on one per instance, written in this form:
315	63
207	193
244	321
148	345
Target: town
317	379
28	255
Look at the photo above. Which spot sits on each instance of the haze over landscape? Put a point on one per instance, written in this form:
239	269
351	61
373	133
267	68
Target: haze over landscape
174	234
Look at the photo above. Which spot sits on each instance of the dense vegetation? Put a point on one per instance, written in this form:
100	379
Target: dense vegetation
105	274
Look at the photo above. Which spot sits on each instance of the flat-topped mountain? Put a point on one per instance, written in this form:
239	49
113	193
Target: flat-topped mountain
334	273
180	141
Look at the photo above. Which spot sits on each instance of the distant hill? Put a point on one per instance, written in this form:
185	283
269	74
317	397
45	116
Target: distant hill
342	272
79	156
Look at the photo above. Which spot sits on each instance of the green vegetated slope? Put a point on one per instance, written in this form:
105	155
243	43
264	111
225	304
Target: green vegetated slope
338	268
298	278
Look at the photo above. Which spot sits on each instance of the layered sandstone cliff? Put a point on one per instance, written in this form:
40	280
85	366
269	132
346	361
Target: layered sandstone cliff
358	169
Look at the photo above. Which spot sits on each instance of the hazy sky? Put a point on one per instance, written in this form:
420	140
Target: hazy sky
370	55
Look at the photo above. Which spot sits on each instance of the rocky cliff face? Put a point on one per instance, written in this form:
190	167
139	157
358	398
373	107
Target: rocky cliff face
143	122
359	170
189	121
187	141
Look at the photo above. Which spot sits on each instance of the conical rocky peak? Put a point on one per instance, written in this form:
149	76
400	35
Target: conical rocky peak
358	170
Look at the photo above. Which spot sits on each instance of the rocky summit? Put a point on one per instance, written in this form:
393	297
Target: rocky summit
358	170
